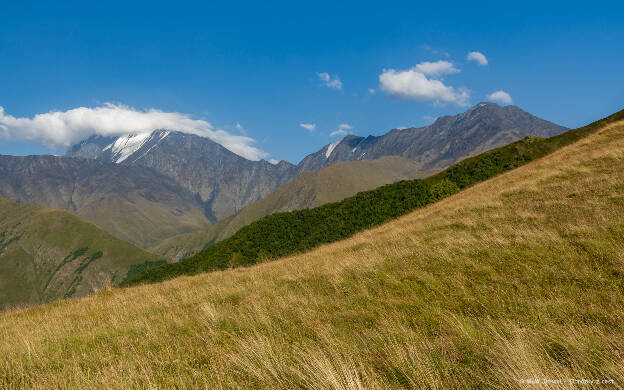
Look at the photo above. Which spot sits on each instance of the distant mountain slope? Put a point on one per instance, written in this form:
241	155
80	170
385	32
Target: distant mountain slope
132	203
448	140
223	181
47	254
310	189
293	232
519	277
226	182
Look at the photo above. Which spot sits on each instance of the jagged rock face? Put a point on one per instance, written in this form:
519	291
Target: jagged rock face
134	203
91	147
223	181
448	140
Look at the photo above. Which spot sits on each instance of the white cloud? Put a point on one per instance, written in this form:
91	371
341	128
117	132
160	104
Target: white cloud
329	81
500	96
371	91
308	126
274	161
58	129
478	57
343	129
437	68
414	84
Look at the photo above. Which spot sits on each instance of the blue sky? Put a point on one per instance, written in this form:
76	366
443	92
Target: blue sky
258	64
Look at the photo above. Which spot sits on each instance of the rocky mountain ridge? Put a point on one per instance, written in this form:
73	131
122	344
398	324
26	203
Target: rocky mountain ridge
446	141
223	181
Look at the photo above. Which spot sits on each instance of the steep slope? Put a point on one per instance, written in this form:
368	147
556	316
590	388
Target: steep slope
287	233
90	148
515	278
133	203
47	254
448	140
310	189
223	181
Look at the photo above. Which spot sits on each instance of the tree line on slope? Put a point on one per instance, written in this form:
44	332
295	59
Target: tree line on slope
287	233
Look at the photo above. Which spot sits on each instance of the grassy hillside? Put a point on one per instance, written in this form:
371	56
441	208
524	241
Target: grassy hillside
310	189
47	254
139	220
518	277
129	202
283	234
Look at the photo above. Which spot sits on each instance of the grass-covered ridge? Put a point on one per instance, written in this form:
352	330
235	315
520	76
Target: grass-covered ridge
518	277
283	234
48	254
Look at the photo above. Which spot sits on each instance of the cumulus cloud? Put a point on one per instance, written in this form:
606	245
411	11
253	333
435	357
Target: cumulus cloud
343	129
274	161
500	96
478	57
414	84
58	129
308	126
437	68
329	81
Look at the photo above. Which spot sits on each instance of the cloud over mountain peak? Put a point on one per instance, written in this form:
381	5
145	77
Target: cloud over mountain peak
59	129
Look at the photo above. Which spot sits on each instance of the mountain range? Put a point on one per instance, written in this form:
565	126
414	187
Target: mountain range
355	164
446	141
147	188
222	181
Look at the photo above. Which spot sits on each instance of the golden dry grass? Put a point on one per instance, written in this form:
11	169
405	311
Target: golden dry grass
520	277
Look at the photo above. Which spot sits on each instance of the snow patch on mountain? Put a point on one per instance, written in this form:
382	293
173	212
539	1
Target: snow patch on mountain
125	146
162	135
331	147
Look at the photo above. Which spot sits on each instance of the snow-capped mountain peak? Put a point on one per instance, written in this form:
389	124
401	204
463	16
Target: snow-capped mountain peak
126	146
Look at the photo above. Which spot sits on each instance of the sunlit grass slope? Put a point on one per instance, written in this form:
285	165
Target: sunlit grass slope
518	277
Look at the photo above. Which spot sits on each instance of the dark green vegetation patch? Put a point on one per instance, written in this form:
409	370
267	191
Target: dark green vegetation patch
282	234
137	269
